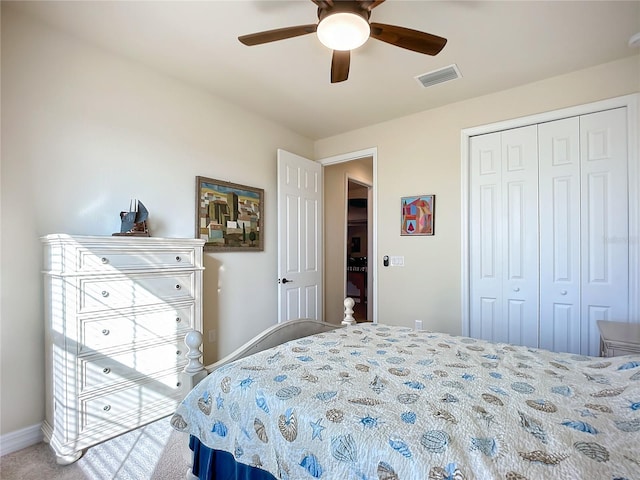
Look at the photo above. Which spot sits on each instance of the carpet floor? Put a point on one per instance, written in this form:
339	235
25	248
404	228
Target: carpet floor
152	452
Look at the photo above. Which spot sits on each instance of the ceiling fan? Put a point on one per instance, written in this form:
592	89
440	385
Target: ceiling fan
344	25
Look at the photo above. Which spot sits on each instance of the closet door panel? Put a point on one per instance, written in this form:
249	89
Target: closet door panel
520	234
604	223
559	191
486	243
563	333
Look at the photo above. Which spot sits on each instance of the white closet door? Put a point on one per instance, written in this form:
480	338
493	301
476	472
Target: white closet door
504	241
485	213
549	232
559	191
520	236
604	219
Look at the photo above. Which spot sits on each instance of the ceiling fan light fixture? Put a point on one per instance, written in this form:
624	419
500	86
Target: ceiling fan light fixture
343	31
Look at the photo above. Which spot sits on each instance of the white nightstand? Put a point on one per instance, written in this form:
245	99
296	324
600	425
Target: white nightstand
619	338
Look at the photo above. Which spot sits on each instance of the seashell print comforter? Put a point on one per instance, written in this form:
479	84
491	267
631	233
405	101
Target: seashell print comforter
379	402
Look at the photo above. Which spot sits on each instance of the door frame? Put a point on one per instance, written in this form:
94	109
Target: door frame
633	170
373	263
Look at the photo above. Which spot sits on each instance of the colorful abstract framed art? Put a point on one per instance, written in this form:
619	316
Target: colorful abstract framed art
418	215
229	217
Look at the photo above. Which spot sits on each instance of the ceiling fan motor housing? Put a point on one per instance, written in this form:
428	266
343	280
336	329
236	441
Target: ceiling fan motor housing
344	7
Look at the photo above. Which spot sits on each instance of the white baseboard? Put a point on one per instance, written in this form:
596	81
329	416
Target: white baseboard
14	441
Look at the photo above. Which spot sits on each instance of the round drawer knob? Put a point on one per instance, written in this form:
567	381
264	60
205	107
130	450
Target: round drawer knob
178	319
106	408
178	286
106	370
517	289
563	292
178	258
104	260
105	294
178	352
179	384
105	331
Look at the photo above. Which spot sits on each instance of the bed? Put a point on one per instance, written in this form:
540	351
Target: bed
379	402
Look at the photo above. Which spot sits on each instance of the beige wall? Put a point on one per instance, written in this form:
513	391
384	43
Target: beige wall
84	131
335	230
420	154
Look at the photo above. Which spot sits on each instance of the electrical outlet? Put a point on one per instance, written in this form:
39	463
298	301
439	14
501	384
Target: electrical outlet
212	336
418	325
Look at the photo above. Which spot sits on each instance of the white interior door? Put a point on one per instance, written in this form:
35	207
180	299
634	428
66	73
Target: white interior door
520	234
485	226
503	269
559	155
604	218
300	259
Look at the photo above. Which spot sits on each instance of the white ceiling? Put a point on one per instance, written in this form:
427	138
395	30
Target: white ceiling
496	45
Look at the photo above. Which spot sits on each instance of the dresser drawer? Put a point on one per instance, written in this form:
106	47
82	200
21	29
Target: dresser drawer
134	327
102	371
616	350
110	259
134	400
121	292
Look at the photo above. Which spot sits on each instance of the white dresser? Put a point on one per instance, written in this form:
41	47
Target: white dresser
116	312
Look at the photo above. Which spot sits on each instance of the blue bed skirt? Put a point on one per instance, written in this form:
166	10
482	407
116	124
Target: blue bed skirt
209	464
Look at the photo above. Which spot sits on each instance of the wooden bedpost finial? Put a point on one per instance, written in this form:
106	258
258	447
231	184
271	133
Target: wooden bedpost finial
348	312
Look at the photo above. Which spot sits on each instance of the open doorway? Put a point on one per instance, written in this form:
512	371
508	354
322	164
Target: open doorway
346	247
357	265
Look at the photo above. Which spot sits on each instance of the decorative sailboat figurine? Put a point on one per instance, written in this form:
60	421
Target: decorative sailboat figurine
134	222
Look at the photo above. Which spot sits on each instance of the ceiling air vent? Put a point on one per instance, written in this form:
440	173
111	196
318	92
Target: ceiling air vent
441	75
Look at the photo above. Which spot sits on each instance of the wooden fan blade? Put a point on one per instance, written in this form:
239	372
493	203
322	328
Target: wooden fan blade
340	65
277	34
415	40
370	4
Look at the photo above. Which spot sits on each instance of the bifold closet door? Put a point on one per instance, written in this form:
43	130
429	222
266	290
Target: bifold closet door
504	236
559	192
604	223
583	229
485	243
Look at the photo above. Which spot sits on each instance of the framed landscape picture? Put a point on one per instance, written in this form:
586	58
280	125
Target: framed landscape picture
418	215
229	216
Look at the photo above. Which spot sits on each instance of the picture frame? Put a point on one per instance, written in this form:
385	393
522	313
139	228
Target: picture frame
418	215
229	216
